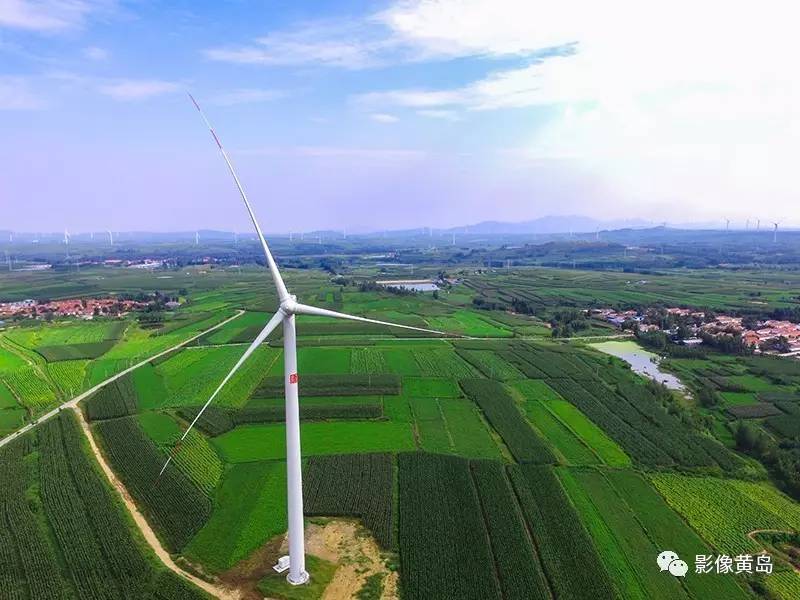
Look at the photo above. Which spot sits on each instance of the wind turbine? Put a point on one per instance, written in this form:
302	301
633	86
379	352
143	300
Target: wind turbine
288	309
775	233
110	238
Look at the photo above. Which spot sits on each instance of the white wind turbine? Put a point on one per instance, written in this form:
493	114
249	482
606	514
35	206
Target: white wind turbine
288	308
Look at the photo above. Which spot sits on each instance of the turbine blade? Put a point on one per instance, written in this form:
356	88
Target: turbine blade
268	328
273	268
304	309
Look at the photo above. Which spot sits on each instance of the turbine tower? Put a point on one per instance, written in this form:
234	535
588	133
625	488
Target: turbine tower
110	238
288	309
775	233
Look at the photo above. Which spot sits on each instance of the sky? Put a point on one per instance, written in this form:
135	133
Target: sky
393	114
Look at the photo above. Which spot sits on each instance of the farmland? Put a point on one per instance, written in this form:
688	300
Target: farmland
82	522
518	465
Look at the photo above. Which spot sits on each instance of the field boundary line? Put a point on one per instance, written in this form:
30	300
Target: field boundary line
74	402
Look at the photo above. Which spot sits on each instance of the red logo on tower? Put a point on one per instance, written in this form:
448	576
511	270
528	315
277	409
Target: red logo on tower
293	378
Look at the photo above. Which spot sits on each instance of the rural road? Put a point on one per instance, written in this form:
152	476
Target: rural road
74	402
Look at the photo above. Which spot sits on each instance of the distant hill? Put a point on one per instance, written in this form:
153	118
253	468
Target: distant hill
554	224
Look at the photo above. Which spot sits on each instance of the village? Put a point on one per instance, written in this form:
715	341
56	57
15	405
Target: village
81	308
692	328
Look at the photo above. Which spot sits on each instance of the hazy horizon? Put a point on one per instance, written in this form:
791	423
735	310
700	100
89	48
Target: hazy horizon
395	114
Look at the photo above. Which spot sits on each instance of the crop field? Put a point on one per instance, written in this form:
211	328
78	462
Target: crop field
332	385
68	375
368	360
738	507
441	530
502	413
430	387
176	506
249	443
249	508
491	365
519	467
452	426
668	530
464	322
239	330
434	363
625	546
82	545
196	372
574	570
27	385
401	361
117	399
359	485
195	456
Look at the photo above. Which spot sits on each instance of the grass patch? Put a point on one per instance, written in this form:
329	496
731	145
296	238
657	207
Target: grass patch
268	442
320	571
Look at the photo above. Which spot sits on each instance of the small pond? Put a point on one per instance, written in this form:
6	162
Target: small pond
641	361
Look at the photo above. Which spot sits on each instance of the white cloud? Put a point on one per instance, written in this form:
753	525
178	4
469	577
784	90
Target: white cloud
138	89
346	44
17	94
445	115
383	118
247	96
95	53
49	15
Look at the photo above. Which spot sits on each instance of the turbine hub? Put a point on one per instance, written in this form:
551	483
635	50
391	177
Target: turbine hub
289	305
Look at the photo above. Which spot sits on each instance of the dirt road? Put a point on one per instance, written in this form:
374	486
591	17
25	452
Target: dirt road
142	524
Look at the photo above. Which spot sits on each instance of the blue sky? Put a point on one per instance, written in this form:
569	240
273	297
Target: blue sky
400	113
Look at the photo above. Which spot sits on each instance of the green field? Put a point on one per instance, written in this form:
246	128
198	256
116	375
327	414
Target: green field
735	508
250	443
249	508
520	466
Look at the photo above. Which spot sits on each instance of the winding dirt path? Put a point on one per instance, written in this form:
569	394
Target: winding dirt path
752	535
142	524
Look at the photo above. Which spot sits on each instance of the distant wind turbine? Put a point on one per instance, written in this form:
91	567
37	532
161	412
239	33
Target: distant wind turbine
775	233
288	309
110	238
196	238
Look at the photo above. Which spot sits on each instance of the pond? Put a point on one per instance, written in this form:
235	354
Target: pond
641	361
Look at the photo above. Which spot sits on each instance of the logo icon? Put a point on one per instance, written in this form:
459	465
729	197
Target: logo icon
670	561
293	378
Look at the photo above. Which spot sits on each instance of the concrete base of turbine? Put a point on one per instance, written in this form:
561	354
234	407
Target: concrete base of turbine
304	577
